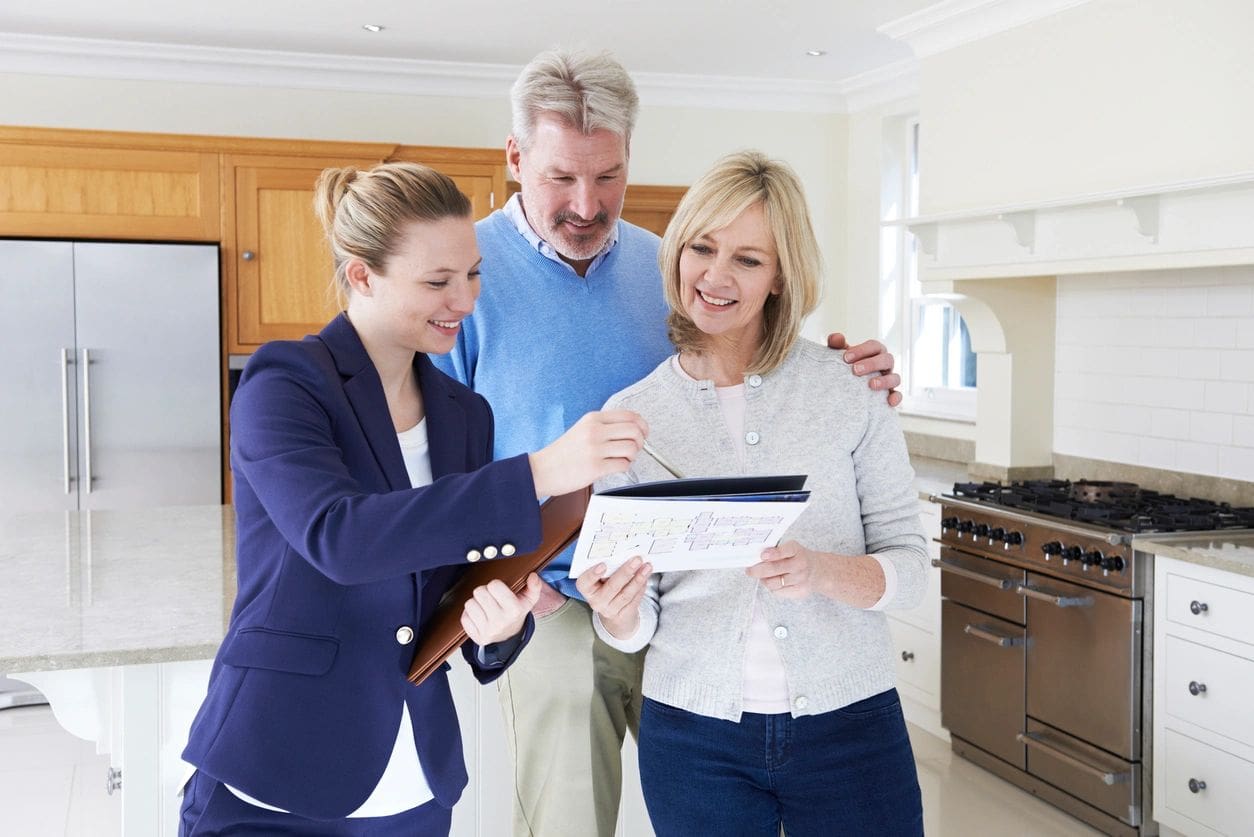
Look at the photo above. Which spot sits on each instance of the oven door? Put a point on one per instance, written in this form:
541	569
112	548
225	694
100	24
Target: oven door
982	680
1084	663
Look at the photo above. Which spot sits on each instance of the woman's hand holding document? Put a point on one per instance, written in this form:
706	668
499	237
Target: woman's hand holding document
689	524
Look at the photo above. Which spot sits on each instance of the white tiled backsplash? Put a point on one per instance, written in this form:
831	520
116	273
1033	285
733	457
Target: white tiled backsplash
1157	369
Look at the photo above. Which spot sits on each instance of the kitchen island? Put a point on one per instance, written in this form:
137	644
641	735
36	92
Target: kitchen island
115	617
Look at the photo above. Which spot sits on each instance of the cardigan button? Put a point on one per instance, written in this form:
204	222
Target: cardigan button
781	632
801	702
754	380
404	635
752	437
490	552
473	555
507	549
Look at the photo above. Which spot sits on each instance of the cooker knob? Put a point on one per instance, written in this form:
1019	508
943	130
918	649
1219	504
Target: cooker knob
966	525
1091	559
981	530
1112	564
996	534
1012	538
1050	549
1071	553
949	523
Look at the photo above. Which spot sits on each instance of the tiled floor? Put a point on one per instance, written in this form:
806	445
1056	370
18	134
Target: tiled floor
53	784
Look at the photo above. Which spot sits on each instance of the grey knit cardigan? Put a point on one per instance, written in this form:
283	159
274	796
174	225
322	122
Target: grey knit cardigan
811	416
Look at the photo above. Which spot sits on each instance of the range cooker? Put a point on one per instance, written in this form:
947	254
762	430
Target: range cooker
1045	650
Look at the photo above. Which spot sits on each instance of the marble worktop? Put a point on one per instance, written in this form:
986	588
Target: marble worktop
1229	550
106	588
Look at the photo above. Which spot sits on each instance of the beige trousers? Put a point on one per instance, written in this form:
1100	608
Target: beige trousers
568	701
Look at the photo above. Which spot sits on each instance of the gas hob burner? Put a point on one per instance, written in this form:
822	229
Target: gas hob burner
1121	506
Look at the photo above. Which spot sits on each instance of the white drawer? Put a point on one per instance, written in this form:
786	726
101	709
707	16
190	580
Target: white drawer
1220	610
1225	804
1224	684
917	656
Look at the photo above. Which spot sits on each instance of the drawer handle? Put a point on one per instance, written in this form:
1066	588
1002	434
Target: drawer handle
1053	597
989	636
991	581
907	656
1196	688
1034	740
1198	608
1196	786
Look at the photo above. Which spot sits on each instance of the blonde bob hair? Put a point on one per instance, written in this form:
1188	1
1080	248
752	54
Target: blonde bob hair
363	212
736	183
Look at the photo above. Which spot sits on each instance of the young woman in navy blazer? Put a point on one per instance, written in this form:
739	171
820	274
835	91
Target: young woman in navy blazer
364	482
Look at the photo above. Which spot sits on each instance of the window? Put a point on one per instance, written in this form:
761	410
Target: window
927	333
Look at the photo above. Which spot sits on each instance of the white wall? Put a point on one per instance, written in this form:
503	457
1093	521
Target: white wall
671	146
1157	369
1110	94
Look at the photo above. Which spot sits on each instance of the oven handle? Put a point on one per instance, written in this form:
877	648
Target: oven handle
992	581
989	636
1053	597
1033	740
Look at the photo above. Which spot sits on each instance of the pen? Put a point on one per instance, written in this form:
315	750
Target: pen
661	460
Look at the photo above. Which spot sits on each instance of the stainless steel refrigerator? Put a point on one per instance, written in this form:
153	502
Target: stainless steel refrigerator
109	377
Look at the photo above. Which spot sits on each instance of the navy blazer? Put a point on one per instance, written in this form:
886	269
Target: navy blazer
335	554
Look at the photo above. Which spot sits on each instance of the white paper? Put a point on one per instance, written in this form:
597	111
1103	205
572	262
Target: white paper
680	534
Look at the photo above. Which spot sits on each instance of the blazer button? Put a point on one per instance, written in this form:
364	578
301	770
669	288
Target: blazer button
490	552
404	635
473	555
508	550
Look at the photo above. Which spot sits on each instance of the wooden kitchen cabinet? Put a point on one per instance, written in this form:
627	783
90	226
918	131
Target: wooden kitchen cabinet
90	184
278	264
651	207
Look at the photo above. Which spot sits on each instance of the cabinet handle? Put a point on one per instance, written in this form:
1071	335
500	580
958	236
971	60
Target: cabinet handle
989	636
1106	777
67	359
87	477
1054	598
1198	608
1196	688
992	581
113	780
1196	786
907	656
248	255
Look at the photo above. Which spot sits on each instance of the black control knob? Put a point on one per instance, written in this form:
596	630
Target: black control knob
996	533
949	523
1051	549
1112	564
1092	559
966	525
981	530
1012	538
1071	553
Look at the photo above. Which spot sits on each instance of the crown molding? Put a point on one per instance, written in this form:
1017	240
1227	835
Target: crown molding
139	61
952	23
883	85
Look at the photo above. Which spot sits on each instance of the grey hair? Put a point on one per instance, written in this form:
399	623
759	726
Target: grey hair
590	92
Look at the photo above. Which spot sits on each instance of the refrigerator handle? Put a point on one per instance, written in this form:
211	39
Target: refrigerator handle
87	478
67	360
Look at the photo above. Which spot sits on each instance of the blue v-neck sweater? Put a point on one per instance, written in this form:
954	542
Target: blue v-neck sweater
545	346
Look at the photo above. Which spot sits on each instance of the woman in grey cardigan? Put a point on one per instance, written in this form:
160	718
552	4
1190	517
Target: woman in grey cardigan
769	693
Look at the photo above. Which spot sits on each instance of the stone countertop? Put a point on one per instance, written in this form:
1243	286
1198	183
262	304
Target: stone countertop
105	588
937	476
1229	550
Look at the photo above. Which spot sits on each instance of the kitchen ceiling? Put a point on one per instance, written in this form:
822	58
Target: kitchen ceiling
759	39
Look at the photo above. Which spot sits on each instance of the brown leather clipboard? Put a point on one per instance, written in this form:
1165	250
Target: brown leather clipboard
560	521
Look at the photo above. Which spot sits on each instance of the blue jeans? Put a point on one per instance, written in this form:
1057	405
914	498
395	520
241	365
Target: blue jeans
845	772
210	810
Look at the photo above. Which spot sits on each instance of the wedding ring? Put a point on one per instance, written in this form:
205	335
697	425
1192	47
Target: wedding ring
782	582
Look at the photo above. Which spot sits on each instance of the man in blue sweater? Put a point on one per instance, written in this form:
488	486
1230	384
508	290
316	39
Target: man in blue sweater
571	311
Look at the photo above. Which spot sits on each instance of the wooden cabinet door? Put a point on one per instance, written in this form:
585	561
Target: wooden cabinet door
279	263
478	172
